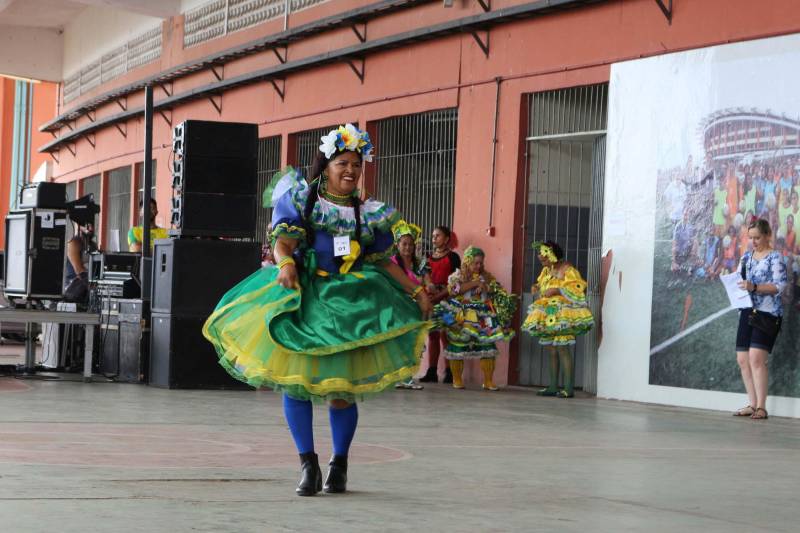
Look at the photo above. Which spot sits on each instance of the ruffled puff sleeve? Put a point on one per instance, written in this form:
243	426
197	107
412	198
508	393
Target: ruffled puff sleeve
504	303
544	277
378	218
381	249
573	287
287	201
454	283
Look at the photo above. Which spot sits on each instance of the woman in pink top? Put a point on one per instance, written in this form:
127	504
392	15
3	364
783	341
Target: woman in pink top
405	239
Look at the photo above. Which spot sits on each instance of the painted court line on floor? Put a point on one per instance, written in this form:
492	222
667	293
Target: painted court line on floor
691	329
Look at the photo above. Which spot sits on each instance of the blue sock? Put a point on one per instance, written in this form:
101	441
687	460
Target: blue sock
343	427
300	415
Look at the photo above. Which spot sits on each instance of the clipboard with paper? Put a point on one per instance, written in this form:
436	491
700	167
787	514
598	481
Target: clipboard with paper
738	297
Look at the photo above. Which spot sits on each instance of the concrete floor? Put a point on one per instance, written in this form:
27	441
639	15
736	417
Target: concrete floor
129	458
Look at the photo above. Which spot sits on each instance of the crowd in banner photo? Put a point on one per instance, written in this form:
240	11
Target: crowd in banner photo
711	206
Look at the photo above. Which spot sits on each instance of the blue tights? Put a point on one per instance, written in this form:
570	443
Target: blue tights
299	416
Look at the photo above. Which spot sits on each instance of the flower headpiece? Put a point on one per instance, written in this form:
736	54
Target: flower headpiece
473	251
347	137
401	227
545	251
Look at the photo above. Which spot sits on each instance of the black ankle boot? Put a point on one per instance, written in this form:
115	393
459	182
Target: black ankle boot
448	376
430	376
336	481
311	480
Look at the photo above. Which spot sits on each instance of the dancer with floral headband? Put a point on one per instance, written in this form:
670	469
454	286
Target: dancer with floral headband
477	314
406	238
559	313
335	320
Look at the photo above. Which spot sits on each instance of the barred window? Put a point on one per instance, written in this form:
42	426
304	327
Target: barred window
119	209
416	166
269	161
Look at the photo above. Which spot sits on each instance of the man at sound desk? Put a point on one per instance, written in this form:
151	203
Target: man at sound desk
82	212
136	233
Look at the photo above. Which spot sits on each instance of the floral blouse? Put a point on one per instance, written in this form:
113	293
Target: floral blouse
769	269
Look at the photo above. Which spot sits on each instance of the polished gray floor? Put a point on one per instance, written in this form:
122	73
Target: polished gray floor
115	457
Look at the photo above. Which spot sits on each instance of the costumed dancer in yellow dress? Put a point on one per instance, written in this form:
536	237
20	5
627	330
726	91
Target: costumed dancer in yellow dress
559	313
335	320
476	315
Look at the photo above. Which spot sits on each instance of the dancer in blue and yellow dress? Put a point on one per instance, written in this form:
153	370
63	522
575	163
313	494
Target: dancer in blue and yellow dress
558	313
475	316
335	320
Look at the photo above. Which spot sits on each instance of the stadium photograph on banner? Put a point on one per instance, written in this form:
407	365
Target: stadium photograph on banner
737	159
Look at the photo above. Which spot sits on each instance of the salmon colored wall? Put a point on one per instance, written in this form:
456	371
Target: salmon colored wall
560	50
45	103
6	149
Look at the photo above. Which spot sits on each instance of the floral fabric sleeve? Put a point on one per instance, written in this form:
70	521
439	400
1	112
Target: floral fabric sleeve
573	287
779	275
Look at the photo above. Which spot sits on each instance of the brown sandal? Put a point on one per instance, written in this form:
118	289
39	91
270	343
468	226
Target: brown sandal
759	414
747	410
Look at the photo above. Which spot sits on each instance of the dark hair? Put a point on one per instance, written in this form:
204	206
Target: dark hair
152	202
399	259
443	229
762	226
319	165
557	249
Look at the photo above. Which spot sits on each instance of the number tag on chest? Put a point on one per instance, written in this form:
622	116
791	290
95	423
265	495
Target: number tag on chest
341	245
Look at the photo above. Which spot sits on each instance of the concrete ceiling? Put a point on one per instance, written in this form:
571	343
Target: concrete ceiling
31	31
55	14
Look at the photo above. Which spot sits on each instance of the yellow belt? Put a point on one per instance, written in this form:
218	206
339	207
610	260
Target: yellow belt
324	274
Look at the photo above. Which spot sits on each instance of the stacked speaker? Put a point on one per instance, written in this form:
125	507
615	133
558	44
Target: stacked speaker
214	199
214	179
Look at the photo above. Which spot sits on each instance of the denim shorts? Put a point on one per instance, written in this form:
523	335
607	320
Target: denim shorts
749	337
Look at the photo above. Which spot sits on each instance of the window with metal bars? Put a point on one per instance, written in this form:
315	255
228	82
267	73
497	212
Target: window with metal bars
72	190
307	147
91	185
415	167
118	212
140	191
269	161
566	161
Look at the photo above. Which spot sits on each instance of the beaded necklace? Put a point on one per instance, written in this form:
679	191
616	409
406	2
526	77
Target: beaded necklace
338	199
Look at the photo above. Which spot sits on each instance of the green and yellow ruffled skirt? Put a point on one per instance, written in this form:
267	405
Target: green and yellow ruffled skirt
343	336
557	320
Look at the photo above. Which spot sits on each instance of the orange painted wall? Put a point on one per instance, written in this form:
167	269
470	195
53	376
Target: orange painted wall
45	103
560	50
6	149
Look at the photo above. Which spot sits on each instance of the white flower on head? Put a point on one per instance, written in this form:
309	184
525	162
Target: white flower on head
328	146
347	137
353	136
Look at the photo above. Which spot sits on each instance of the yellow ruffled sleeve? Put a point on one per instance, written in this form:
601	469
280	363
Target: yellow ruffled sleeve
573	287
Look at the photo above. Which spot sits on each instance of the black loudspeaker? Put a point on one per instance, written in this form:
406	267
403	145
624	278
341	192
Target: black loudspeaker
215	139
35	253
214	179
181	358
191	275
43	194
213	215
222	175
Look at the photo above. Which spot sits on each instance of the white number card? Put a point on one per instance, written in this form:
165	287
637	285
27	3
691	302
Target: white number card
341	245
